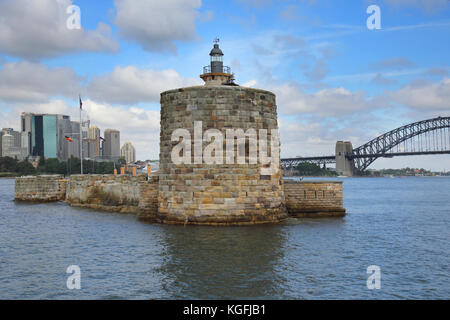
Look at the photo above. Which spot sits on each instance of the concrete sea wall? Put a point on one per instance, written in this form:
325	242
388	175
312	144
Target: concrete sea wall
312	199
137	195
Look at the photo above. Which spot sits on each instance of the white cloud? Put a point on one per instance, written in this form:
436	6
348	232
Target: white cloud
155	25
329	102
137	125
132	85
37	29
26	81
36	82
304	139
394	63
379	79
251	83
424	95
318	72
437	71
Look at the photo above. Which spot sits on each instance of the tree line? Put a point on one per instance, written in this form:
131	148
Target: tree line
312	169
11	166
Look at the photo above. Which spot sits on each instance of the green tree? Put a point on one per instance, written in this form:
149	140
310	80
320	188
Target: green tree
8	164
311	169
122	161
41	164
25	168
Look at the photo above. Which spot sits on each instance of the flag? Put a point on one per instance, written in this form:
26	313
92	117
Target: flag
68	139
81	104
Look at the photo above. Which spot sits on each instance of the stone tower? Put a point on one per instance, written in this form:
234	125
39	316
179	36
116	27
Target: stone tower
344	166
214	166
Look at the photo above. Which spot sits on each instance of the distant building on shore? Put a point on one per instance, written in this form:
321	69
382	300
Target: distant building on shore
46	135
111	146
56	136
13	144
128	152
94	135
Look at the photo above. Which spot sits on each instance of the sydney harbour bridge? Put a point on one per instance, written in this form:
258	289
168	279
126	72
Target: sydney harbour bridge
426	137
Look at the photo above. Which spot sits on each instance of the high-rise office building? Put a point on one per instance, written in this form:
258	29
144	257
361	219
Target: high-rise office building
26	120
12	144
46	135
17	138
94	134
89	149
128	152
85	129
7	144
111	147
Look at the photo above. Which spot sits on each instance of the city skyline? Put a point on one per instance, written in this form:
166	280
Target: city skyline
57	136
334	78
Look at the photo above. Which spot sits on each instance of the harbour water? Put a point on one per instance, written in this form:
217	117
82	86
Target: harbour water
399	224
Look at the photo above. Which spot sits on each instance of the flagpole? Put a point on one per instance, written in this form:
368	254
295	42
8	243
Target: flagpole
81	138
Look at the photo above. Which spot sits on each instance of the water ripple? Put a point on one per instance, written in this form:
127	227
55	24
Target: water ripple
401	225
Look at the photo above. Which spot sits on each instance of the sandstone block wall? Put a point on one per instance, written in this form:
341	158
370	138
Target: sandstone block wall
137	195
111	193
217	193
148	199
40	188
310	199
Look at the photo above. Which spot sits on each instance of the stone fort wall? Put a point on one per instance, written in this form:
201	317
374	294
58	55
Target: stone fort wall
217	193
125	194
135	195
40	189
311	199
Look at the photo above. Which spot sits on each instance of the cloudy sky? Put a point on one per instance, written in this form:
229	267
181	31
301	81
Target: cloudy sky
334	78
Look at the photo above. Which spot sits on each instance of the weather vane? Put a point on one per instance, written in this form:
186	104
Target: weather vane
216	40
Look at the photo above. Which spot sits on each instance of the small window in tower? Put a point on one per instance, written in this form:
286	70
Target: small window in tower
213	77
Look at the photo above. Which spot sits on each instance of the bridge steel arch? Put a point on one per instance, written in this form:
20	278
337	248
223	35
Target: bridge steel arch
366	154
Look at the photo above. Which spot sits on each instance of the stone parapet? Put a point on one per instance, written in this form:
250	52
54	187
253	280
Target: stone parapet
105	192
313	199
45	188
137	195
148	199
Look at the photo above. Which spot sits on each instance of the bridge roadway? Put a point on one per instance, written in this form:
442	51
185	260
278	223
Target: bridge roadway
288	162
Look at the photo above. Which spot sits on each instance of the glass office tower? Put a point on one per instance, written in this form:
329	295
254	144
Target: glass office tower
44	134
50	133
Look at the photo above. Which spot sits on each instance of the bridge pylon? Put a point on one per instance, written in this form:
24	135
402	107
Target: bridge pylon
344	166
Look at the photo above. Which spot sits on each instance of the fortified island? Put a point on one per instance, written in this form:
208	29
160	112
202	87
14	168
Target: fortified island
219	164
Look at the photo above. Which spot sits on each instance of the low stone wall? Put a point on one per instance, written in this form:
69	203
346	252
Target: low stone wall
148	200
138	195
125	194
40	188
313	199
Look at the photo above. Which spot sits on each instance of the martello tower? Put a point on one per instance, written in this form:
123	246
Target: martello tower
234	188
